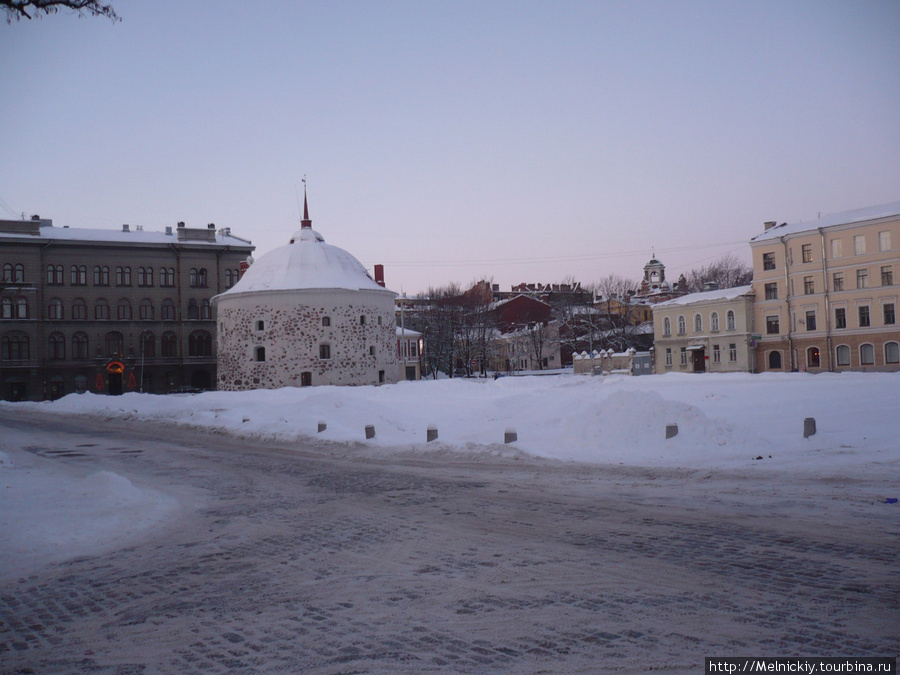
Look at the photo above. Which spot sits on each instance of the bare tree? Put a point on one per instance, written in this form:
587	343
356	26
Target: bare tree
620	316
727	272
30	9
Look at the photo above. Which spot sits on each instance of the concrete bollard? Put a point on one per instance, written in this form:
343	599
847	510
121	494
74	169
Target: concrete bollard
671	430
809	427
322	426
510	436
370	431
431	433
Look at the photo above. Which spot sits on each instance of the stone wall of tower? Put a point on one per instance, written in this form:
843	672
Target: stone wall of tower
358	328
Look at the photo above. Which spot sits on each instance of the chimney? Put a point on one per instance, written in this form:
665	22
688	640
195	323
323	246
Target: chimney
125	227
769	224
211	226
180	223
379	275
168	229
245	265
710	285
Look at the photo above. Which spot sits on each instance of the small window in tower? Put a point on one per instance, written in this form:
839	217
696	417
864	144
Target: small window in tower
379	320
260	325
260	354
362	320
326	321
372	350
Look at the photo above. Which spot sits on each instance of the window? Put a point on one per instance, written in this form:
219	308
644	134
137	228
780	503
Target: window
683	356
101	276
772	325
837	281
774	360
729	320
56	346
193	309
123	276
862	278
78	275
667	327
200	344
54	275
732	352
809	286
859	244
79	309
379	321
15	348
669	357
681	325
884	241
867	355
371	350
717	355
324	351
772	291
101	310
167	310
167	276
115	344
842	355
260	325
714	322
888	312
6	308
230	278
260	354
21	308
698	323
198	277
205	310
812	357
836	247
145	276
864	320
806	252
148	345
169	345
123	310
891	352
55	310
146	310
79	346
887	275
362	320
768	261
840	317
811	319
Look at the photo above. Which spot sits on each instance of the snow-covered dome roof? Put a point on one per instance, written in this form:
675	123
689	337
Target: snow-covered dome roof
305	263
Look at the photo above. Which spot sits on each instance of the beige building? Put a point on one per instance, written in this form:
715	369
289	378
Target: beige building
711	332
110	311
827	293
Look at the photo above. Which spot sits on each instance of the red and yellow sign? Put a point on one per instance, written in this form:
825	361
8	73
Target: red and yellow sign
115	368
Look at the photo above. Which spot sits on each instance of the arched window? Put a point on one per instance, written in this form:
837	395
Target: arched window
200	344
78	275
56	346
891	352
55	310
115	344
79	309
101	309
79	346
682	329
812	357
167	276
7	273
202	277
714	322
729	320
698	323
774	360
124	310
167	310
205	312
123	276
867	355
21	308
6	308
146	310
193	309
101	276
148	345
667	326
55	275
169	345
15	347
842	355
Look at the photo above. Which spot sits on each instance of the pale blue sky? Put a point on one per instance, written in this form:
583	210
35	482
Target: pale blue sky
518	141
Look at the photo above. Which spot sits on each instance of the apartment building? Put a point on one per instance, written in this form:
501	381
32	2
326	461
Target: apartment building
827	292
110	311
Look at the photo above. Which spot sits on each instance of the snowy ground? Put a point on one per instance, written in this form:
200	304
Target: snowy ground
740	422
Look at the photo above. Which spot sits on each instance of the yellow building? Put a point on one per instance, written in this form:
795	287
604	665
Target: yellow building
826	297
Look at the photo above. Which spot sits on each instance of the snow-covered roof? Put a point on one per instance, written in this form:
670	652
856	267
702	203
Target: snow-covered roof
842	218
706	296
406	332
306	263
48	232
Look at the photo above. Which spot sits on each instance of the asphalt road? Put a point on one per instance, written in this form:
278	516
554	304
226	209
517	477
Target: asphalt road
323	559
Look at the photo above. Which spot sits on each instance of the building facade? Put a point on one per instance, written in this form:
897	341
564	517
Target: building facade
711	332
110	311
827	292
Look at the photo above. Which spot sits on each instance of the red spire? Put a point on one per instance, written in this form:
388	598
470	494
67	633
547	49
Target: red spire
306	222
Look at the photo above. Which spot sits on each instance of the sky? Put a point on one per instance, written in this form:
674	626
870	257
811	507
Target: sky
50	512
457	141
